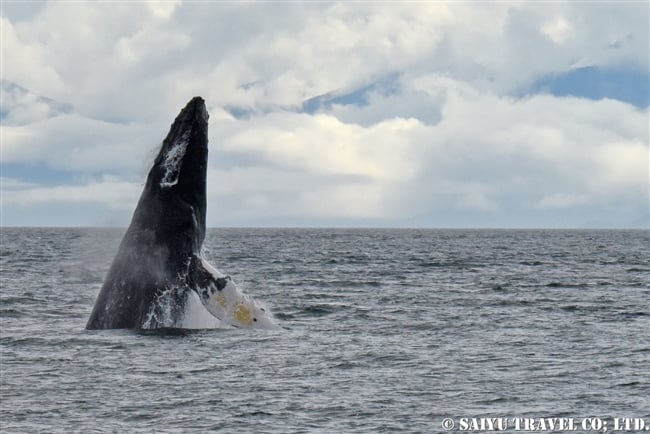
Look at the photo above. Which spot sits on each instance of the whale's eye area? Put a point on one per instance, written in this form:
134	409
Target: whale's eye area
255	319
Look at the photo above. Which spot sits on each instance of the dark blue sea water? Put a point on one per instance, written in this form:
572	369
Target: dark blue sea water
383	331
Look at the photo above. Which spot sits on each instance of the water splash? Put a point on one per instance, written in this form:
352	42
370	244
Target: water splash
217	304
165	311
196	316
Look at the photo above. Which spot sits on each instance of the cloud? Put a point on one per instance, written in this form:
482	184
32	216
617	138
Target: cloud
322	144
558	30
26	61
423	114
622	164
273	194
561	200
76	143
26	107
261	56
109	191
486	154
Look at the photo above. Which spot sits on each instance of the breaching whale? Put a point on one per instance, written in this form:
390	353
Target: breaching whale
159	265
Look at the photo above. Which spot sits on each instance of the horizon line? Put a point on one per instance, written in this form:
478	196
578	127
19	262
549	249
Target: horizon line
512	228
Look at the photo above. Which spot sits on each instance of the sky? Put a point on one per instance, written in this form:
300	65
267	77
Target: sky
356	114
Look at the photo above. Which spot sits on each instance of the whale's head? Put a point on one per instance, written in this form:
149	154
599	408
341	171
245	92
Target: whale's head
174	198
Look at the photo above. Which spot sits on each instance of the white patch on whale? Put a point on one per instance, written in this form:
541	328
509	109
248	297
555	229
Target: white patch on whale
232	306
173	160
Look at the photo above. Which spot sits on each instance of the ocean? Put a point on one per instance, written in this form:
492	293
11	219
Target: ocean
381	330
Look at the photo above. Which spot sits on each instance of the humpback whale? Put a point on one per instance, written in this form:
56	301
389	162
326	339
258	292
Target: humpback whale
159	264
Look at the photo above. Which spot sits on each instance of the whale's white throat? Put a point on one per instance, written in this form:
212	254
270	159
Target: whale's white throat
226	301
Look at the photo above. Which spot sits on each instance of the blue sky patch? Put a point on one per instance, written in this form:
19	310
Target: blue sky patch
240	113
359	97
597	83
39	174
